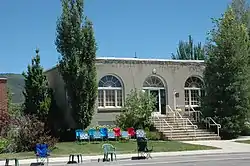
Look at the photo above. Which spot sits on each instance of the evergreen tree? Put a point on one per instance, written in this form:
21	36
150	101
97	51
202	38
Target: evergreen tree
76	43
226	75
189	51
36	91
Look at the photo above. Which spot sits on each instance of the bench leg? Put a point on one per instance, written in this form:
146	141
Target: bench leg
7	162
16	162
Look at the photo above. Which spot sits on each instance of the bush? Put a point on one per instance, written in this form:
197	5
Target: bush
3	145
4	120
137	110
154	135
246	129
30	132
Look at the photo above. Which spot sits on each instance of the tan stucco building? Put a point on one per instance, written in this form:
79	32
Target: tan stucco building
117	76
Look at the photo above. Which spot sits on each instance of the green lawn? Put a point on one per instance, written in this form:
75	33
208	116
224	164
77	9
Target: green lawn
244	141
65	148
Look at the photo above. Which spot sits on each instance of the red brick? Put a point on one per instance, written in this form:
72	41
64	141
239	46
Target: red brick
3	95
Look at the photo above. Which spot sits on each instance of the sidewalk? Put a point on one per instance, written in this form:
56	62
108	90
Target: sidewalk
226	147
128	156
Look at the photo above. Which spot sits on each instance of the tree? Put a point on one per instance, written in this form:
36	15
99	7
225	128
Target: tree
76	44
189	51
36	91
242	10
137	110
226	75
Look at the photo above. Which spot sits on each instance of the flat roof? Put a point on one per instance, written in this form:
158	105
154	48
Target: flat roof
149	59
140	59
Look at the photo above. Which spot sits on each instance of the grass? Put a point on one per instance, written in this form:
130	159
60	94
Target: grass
244	141
65	148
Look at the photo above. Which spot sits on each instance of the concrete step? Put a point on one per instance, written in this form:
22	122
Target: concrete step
189	127
194	138
189	134
181	133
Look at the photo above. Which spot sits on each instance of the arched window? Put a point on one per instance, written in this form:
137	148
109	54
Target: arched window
193	91
153	81
110	92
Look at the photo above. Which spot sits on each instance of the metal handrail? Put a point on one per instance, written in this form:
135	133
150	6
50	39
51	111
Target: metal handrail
186	121
172	111
208	119
163	120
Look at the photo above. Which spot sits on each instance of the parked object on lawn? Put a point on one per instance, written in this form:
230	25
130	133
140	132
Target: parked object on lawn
131	132
72	159
117	132
108	149
42	153
142	148
111	135
125	135
7	161
104	133
81	135
140	133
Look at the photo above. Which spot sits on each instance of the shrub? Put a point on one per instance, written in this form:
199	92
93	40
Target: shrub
4	120
30	132
154	135
3	145
137	110
246	129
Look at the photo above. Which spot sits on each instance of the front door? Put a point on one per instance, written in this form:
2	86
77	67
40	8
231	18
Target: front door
156	93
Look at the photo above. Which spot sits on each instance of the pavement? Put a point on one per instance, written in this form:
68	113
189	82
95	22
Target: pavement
239	159
229	152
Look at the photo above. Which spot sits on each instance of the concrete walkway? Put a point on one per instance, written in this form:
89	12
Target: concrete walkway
226	146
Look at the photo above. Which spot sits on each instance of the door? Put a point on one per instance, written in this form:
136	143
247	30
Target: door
156	93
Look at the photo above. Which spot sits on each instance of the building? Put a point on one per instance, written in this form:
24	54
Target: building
3	95
117	76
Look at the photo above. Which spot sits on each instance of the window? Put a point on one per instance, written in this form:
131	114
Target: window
153	81
110	94
193	90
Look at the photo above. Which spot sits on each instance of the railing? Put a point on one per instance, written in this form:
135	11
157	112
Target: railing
208	120
162	122
171	111
198	115
186	122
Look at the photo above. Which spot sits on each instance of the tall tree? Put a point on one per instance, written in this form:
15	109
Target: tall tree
226	75
242	10
189	51
36	91
76	44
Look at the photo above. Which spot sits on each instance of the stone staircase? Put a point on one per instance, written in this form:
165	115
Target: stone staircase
182	129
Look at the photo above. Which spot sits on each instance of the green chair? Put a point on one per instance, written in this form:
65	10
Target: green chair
108	150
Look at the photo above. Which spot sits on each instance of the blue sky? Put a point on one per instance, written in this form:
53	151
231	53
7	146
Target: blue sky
152	28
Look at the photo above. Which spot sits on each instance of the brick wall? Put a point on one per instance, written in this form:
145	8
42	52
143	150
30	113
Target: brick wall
3	94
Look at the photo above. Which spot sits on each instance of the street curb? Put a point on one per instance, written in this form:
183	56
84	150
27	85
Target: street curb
154	155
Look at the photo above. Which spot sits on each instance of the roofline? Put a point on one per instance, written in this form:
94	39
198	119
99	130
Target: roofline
149	59
3	78
139	59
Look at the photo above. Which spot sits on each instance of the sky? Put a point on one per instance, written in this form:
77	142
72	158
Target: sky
151	28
